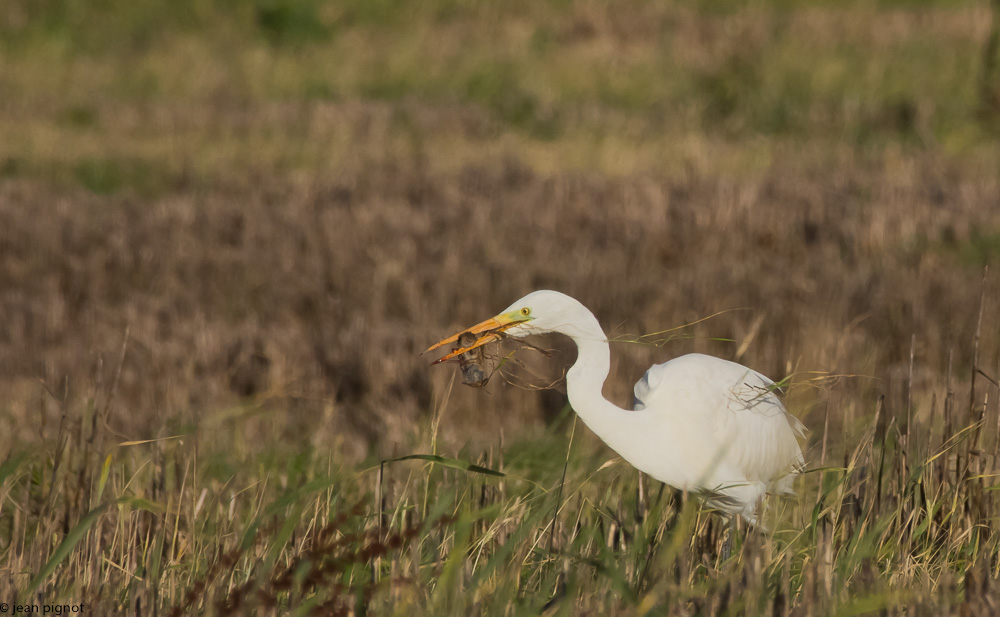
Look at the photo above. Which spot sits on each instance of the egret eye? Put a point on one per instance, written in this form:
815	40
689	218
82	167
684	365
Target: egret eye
526	311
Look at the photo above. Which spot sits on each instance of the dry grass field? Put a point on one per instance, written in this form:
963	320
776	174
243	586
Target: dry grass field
228	229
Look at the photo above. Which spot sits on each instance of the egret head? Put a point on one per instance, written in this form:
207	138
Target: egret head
536	313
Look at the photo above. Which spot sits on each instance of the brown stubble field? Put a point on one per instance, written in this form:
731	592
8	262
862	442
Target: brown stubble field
235	243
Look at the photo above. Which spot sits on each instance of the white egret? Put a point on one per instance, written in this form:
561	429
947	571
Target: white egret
699	423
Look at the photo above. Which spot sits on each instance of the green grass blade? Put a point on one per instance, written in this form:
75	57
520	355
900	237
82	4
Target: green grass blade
65	547
105	470
10	465
449	462
138	503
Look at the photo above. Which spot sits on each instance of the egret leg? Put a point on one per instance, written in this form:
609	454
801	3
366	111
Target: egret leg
727	544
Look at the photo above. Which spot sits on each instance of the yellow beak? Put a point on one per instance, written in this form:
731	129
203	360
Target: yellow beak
486	332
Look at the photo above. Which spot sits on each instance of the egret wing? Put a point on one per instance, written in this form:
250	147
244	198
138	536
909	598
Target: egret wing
728	410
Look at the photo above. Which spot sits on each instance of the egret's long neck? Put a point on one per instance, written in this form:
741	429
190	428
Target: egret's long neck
585	382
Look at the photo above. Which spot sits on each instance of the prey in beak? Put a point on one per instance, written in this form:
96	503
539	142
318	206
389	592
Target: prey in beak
478	335
468	346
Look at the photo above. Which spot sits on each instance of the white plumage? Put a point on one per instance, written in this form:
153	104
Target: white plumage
699	423
730	435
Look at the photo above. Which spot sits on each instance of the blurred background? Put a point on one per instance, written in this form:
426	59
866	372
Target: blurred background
249	218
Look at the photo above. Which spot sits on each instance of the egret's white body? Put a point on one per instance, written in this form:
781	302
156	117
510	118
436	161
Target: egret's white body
699	423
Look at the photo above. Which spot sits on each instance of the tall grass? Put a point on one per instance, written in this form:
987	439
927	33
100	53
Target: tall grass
898	518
